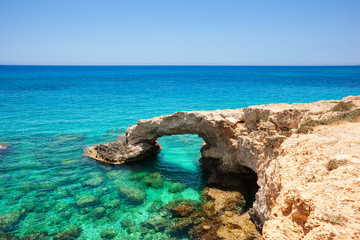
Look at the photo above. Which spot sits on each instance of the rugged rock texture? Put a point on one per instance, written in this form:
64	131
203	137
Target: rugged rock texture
120	152
309	184
221	217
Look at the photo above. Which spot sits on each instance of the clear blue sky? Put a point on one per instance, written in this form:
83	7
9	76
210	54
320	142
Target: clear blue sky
183	32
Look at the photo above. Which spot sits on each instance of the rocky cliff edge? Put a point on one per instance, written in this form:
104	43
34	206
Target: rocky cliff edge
306	157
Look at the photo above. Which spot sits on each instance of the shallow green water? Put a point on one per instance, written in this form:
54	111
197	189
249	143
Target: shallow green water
59	188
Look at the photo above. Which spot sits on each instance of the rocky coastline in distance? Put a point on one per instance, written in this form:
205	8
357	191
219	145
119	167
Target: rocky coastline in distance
305	157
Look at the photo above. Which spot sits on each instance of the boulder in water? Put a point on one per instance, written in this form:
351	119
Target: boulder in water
133	194
10	219
184	210
86	200
154	180
99	212
94	182
71	233
108	233
177	187
155	222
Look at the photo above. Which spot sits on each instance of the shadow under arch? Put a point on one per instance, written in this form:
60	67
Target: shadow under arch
206	173
178	161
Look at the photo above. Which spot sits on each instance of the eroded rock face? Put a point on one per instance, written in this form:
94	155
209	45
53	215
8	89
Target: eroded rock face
120	152
222	217
300	196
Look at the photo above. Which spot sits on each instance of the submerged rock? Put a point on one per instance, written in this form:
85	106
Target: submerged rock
177	187
9	220
99	212
36	236
94	182
167	209
133	194
180	226
70	234
139	176
7	236
113	203
63	206
184	210
87	200
154	180
108	233
130	225
155	222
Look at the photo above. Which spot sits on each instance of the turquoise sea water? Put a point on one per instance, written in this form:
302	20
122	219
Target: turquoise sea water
48	115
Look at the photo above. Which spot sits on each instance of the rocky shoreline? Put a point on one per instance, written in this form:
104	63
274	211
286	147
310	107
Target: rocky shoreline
306	158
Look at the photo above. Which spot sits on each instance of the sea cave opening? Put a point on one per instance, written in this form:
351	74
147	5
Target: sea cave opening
180	160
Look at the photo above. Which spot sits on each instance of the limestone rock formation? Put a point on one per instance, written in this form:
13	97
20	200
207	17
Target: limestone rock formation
306	157
222	218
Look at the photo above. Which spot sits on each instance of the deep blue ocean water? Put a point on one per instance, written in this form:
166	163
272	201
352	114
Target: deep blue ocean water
49	114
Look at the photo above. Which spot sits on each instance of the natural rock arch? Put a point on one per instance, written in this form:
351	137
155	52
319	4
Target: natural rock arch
220	131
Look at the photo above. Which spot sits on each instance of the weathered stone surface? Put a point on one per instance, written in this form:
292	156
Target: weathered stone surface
120	152
10	219
298	196
236	226
217	201
184	210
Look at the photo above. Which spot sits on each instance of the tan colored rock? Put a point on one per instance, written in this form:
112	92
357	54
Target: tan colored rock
223	200
313	202
237	227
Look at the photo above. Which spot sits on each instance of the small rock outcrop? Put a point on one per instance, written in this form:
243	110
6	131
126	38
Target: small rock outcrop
305	156
120	152
4	148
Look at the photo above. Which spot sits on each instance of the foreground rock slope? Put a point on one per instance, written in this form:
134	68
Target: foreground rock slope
306	157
